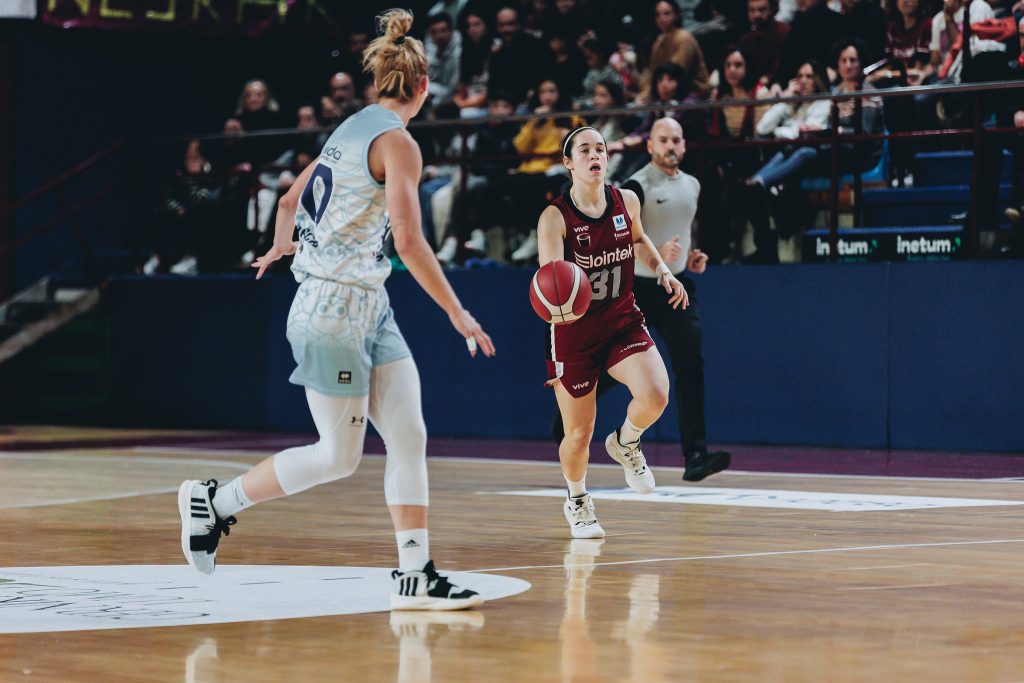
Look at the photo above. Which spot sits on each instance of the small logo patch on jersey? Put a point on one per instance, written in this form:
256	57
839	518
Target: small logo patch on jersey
662	200
584	241
620	221
357	421
581	228
344	377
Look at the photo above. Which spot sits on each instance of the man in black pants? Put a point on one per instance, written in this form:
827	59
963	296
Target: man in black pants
669	200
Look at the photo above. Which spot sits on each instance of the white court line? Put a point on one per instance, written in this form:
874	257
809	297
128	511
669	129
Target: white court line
69	457
769	553
882	566
60	457
894	588
87	499
555	463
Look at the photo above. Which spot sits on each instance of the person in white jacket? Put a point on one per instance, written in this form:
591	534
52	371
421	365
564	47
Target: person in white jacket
786	121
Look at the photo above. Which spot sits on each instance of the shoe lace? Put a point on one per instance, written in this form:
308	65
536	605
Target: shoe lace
218	526
582	510
437	582
635	457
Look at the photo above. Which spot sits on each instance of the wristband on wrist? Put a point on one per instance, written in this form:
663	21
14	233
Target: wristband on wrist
662	269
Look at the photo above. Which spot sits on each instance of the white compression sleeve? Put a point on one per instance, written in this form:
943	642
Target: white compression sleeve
341	423
396	412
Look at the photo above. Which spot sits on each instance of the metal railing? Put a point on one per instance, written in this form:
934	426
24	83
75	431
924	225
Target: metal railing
706	147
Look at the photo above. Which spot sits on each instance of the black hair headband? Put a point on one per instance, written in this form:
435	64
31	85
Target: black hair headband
399	40
567	145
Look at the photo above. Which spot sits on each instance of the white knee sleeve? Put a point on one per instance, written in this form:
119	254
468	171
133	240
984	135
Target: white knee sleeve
396	413
341	423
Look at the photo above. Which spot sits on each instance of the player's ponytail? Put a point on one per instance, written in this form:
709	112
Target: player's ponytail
396	60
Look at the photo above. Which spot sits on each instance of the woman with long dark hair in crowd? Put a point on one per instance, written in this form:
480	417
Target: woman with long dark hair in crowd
787	121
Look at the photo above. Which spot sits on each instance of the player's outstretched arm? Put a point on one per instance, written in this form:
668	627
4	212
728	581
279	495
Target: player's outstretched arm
402	168
648	254
550	236
284	225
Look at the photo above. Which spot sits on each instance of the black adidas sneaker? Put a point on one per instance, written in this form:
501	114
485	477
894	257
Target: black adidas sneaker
200	526
428	590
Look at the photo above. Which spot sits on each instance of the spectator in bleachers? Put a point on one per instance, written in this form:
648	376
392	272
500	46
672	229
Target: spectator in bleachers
765	40
849	63
274	181
187	217
609	94
568	19
443	47
541	172
865	19
786	122
342	92
568	68
672	87
453	8
257	109
676	45
351	61
722	209
519	58
595	54
815	29
494	157
717	29
477	45
908	38
737	81
1009	113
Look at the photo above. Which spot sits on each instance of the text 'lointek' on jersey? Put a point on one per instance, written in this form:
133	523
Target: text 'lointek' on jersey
603	247
342	217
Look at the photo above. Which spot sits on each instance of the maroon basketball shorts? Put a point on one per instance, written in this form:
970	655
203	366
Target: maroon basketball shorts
579	375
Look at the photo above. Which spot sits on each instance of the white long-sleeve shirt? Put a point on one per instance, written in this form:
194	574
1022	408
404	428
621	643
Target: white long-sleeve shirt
784	121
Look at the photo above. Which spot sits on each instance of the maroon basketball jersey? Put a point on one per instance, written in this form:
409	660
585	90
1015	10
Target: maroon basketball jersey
603	248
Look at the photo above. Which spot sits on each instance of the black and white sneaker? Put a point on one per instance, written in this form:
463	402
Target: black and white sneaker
200	526
428	590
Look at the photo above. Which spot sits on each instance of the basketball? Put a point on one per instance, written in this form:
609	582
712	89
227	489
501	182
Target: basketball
560	292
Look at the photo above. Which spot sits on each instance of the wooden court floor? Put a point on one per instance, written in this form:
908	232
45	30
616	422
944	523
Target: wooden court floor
751	591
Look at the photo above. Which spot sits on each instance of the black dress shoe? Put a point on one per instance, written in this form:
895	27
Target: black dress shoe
702	465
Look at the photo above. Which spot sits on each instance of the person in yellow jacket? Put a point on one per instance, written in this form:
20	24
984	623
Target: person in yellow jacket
541	172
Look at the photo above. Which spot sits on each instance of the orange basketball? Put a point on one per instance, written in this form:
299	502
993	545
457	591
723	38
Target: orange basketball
560	292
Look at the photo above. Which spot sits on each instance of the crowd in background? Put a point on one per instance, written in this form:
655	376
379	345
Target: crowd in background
568	60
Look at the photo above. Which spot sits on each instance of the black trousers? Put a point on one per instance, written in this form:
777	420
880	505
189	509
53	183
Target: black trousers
681	333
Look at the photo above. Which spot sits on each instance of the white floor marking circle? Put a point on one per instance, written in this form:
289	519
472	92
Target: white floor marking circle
774	498
48	599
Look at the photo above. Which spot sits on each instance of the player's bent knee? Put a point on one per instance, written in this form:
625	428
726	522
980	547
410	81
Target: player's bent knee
578	438
342	460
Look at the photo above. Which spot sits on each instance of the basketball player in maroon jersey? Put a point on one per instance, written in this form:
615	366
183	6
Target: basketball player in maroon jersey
597	227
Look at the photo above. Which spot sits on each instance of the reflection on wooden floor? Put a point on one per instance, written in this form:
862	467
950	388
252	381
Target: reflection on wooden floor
676	592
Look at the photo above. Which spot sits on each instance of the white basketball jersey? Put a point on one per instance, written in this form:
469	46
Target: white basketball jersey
342	217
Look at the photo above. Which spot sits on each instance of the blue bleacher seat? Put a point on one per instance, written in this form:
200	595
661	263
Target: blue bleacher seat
879	174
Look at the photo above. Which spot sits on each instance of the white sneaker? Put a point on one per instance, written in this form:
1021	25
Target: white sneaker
186	266
527	250
579	512
446	254
200	526
150	266
428	590
477	241
638	474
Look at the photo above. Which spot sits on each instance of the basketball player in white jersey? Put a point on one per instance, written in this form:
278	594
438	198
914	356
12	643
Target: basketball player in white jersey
350	355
